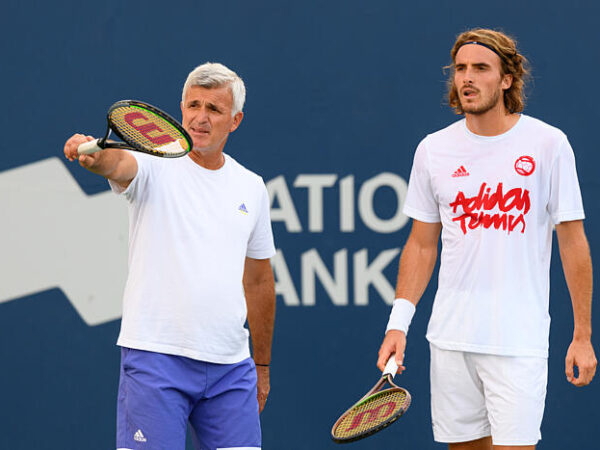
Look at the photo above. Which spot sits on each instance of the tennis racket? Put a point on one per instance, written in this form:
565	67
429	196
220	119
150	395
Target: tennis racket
376	410
143	128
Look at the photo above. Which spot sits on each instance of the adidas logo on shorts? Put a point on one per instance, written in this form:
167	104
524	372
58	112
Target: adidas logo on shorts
139	436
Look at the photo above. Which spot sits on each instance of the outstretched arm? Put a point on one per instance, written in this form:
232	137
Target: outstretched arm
114	164
416	266
259	288
577	266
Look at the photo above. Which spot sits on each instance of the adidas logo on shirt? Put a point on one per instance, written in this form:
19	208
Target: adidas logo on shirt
139	436
460	172
242	209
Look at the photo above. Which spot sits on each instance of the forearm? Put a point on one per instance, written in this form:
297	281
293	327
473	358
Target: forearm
414	272
577	266
260	300
114	164
415	269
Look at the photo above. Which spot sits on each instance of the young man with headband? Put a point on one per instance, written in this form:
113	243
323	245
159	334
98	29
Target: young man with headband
200	243
494	185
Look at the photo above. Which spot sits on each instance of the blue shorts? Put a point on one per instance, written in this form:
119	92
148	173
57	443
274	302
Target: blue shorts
160	394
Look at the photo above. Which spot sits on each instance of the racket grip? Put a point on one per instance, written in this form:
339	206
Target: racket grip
87	148
391	367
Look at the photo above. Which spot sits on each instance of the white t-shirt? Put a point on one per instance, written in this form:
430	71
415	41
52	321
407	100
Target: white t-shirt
498	199
189	233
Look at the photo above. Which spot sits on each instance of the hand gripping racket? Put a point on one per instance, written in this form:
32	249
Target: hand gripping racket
376	410
143	128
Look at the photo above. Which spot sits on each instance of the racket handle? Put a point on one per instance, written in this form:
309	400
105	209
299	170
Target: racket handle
391	367
87	148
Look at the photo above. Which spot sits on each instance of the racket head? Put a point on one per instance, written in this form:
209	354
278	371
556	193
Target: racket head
372	413
148	129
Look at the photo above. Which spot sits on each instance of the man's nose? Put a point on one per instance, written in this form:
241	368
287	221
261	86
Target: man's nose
468	76
201	115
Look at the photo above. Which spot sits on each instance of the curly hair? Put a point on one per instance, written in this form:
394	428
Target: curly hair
512	62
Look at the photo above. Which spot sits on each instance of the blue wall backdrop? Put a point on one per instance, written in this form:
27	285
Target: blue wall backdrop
339	95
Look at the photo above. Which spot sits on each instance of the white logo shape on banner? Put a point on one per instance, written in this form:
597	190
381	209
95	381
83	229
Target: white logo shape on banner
54	235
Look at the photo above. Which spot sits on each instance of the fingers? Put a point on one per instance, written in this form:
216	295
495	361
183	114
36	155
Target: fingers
88	161
72	144
262	400
263	386
584	359
394	343
385	351
569	368
585	376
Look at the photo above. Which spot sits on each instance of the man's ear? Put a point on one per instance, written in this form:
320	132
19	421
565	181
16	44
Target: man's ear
507	81
237	119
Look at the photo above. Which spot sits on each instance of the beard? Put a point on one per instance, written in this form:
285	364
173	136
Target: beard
487	105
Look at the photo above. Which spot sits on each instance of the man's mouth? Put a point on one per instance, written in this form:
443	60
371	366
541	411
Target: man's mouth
469	92
199	131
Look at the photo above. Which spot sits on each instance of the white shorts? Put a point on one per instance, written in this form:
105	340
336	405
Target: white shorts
475	395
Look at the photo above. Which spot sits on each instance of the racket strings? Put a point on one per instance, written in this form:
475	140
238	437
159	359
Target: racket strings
147	129
376	411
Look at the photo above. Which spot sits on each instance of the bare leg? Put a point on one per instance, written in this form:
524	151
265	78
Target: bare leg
513	447
486	444
479	444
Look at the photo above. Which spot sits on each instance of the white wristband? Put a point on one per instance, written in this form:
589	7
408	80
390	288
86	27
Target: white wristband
401	315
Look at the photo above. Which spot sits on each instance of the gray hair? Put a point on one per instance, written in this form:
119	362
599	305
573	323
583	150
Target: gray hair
213	75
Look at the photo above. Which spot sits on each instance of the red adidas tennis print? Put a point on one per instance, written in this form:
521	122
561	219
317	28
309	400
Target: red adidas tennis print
498	199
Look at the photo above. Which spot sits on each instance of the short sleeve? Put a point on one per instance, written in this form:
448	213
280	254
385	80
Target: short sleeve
420	202
261	244
565	202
